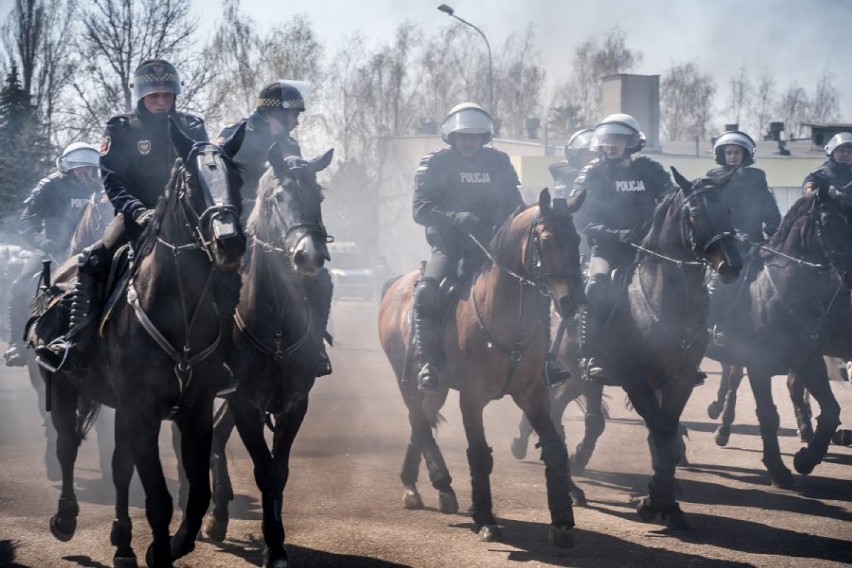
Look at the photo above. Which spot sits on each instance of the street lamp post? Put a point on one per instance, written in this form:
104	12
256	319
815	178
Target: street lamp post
450	12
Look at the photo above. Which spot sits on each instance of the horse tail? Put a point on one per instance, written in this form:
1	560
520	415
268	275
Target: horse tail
88	410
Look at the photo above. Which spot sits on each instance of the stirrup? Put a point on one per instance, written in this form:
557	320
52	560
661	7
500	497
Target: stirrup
53	355
16	355
718	337
554	375
593	370
323	363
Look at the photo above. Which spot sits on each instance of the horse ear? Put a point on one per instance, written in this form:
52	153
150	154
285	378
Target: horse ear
544	200
276	160
322	162
181	142
232	145
576	201
684	183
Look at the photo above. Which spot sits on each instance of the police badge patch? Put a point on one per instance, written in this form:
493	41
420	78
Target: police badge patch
144	147
105	143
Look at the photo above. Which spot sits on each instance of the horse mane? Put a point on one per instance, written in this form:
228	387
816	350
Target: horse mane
801	207
265	187
501	236
660	212
148	238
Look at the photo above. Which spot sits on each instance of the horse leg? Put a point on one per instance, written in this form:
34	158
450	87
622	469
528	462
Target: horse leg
439	474
51	462
594	426
121	534
183	482
223	492
286	429
63	523
196	433
105	428
520	444
481	464
410	473
158	501
557	472
714	409
801	406
663	422
828	420
767	417
729	409
250	425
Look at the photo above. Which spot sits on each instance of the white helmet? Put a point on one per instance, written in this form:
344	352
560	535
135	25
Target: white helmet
467	118
622	125
580	140
736	138
838	140
78	155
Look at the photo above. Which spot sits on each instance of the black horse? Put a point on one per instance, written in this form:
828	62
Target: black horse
275	341
158	357
656	332
794	311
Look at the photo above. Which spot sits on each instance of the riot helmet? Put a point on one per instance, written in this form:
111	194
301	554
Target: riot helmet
838	140
155	76
278	98
578	142
737	138
619	125
467	118
78	155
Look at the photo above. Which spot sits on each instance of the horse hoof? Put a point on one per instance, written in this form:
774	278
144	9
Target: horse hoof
722	438
63	528
782	478
447	502
152	562
275	559
216	529
675	519
519	448
412	500
578	496
562	536
646	512
490	533
579	461
714	409
803	462
125	562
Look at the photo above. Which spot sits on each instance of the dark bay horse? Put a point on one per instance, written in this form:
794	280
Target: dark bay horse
494	345
656	334
797	311
275	342
158	355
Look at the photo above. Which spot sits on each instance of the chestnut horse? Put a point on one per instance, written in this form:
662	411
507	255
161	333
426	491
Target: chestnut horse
494	345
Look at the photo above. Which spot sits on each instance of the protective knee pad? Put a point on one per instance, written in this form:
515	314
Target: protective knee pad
427	296
598	290
554	454
481	462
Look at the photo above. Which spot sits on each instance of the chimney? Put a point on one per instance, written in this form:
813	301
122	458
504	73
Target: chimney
638	96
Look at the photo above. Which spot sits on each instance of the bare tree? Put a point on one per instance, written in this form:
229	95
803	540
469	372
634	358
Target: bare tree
794	108
763	103
825	106
687	100
740	96
520	82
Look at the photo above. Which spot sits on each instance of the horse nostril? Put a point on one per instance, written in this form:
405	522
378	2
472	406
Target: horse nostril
298	258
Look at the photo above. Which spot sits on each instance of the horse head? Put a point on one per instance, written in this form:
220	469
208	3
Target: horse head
209	191
556	250
707	224
293	221
833	215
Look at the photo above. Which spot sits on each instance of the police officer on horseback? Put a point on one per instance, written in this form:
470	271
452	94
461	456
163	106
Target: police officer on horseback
837	170
622	193
462	194
577	154
273	120
136	160
50	216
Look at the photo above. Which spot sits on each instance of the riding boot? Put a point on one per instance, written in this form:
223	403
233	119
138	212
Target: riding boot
427	351
554	374
319	292
593	369
16	355
72	348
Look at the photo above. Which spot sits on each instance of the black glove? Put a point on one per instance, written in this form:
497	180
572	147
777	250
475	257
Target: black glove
472	225
142	215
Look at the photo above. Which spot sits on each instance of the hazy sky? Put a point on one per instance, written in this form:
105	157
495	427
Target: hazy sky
788	38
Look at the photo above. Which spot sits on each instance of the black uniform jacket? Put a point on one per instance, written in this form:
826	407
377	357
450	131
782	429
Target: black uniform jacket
54	208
